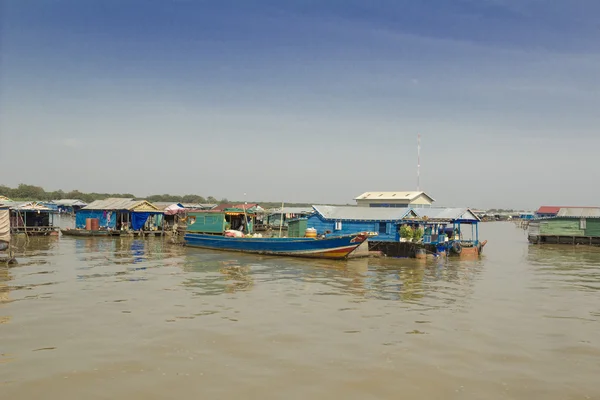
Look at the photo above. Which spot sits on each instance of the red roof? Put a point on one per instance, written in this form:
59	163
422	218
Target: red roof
548	210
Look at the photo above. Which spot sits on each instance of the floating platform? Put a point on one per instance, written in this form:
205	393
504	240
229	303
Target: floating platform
561	239
35	230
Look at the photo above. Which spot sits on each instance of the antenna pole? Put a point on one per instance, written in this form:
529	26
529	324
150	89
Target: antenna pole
418	162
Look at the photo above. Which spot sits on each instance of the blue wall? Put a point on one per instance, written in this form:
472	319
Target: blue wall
82	215
348	227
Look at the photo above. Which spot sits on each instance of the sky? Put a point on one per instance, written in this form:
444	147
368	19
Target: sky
309	101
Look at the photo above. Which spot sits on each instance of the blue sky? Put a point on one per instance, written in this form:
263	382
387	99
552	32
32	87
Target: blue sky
313	101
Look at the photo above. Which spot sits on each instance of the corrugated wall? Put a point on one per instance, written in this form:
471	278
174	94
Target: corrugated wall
207	222
592	227
561	227
297	228
534	228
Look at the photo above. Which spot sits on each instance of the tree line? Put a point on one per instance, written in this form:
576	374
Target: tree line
31	192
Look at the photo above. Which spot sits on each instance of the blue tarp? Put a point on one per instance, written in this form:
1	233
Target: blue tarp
138	219
82	215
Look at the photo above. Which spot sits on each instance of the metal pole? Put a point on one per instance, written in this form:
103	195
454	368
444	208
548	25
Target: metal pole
418	162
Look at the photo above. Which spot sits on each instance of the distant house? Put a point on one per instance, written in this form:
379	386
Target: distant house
341	220
552	211
547	211
251	207
69	205
281	216
394	199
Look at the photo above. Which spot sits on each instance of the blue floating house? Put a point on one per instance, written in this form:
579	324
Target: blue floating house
449	228
121	214
342	220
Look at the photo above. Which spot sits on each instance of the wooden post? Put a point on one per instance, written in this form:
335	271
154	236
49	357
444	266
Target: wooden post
281	221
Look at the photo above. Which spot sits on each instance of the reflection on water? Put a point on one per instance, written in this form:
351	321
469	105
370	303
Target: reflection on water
160	321
211	273
576	267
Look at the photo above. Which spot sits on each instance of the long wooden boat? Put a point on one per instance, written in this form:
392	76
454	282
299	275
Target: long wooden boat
84	232
333	247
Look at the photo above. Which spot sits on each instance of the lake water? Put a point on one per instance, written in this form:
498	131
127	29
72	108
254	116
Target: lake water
95	318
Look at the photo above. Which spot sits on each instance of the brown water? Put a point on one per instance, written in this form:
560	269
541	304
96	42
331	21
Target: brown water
141	319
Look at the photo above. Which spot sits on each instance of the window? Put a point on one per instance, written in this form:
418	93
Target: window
582	223
382	227
338	225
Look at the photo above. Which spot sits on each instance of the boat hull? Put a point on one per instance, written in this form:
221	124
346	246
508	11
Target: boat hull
335	248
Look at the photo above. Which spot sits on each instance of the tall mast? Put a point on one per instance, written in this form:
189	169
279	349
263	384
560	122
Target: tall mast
419	162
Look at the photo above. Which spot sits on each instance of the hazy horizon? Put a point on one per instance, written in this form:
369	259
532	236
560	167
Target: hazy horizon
304	102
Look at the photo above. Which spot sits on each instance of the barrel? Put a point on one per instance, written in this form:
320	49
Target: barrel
310	233
92	224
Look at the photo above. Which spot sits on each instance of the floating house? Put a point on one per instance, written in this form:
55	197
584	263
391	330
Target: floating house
442	225
570	225
121	214
31	218
394	199
436	230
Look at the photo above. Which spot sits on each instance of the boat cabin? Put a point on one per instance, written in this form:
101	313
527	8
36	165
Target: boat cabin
218	221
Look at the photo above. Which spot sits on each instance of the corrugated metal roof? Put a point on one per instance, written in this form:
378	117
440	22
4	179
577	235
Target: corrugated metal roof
579	212
548	210
69	202
291	210
341	213
117	204
408	196
241	206
161	205
446	214
25	206
197	206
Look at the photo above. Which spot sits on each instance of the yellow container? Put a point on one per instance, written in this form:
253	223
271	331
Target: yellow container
310	233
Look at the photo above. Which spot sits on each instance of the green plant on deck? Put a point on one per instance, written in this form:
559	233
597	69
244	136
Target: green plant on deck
406	232
418	234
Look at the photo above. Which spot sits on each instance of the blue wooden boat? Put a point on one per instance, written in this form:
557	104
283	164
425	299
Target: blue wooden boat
332	247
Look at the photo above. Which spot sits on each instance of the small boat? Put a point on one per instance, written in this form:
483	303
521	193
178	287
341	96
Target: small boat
331	247
84	232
